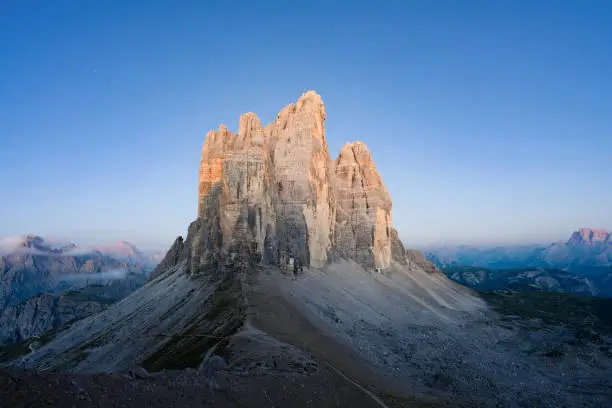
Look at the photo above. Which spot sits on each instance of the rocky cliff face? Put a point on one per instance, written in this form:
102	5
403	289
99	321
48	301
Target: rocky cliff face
172	257
588	236
363	220
33	265
276	193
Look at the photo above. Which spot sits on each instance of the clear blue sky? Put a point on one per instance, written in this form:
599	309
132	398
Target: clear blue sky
490	121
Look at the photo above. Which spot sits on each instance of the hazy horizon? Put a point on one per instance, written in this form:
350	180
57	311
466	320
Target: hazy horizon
490	122
90	239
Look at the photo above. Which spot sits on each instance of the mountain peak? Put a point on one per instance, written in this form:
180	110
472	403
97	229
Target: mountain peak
589	236
31	236
277	190
36	242
32	241
123	251
311	100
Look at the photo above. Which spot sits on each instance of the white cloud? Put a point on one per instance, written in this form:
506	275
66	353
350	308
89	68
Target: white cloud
78	251
111	274
10	244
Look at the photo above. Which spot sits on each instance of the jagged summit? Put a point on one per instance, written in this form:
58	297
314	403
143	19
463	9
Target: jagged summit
277	191
589	236
35	242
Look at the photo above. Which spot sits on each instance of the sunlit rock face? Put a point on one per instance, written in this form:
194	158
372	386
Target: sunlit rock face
363	220
275	194
301	180
589	236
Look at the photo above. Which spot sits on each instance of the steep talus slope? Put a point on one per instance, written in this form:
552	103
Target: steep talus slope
292	277
160	316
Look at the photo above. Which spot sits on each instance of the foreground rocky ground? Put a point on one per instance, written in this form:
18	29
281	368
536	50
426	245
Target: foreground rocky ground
190	388
30	389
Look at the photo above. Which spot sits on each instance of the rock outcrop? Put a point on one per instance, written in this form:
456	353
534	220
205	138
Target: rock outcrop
275	193
172	257
417	258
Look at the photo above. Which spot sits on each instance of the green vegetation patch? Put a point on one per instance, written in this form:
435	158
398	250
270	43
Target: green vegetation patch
83	296
577	312
9	352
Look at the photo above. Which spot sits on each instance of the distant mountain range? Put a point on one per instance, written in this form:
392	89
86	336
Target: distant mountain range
31	264
585	248
45	283
581	265
121	251
125	252
499	257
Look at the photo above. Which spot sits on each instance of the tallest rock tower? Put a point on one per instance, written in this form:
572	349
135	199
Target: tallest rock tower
301	183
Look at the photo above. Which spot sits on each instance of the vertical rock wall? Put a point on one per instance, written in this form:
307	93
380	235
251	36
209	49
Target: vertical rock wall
277	191
300	171
363	218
